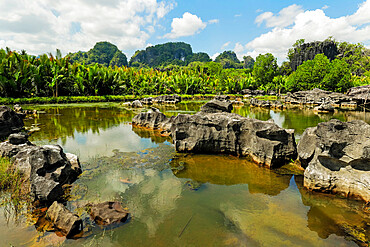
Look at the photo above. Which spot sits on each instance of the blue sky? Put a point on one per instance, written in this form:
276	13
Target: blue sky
245	26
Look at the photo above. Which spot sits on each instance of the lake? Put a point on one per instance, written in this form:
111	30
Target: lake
183	200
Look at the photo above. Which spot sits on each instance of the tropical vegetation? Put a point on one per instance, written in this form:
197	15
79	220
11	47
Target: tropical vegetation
99	73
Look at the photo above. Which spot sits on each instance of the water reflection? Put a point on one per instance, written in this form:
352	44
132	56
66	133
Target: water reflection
238	203
229	170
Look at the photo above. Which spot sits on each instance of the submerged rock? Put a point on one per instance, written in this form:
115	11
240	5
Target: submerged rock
337	157
10	122
46	167
107	213
65	221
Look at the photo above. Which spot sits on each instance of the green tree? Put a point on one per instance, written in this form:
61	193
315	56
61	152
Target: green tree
265	69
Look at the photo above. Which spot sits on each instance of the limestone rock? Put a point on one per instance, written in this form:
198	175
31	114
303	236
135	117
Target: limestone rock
107	213
137	104
64	220
337	157
10	121
46	167
228	133
153	119
214	106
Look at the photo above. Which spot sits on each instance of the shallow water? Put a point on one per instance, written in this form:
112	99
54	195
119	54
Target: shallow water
184	200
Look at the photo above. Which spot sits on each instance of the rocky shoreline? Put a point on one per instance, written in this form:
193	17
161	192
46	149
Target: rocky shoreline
48	172
334	154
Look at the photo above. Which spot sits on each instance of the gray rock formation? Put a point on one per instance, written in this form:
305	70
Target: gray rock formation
324	108
228	133
137	104
337	158
10	121
152	119
47	167
107	213
308	51
167	99
317	97
361	93
215	130
65	221
214	106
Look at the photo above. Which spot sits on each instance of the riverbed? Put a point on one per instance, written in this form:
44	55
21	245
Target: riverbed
184	200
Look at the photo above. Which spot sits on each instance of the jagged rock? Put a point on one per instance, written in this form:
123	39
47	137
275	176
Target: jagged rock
10	122
214	106
46	167
64	220
324	108
19	138
137	104
153	119
316	97
17	108
222	97
107	213
260	103
147	101
263	141
308	51
167	99
361	93
337	157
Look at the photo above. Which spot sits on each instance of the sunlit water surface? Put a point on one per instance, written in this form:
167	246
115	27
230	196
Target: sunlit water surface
183	200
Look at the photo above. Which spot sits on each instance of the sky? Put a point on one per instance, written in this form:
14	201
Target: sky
247	27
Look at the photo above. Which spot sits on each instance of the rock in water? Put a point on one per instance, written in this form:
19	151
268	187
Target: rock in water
214	106
137	104
107	213
10	121
64	220
153	119
215	130
265	142
47	167
337	157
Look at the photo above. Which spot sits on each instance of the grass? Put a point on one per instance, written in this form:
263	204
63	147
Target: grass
13	187
92	99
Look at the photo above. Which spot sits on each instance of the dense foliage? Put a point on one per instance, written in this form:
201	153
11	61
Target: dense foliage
23	75
103	53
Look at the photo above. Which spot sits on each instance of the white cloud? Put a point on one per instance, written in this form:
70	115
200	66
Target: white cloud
213	57
40	26
325	7
188	25
309	25
239	51
225	45
285	17
213	21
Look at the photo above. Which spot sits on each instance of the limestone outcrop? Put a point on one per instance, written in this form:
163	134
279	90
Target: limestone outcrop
46	167
10	122
336	156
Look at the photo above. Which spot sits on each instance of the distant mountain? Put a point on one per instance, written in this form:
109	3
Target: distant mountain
103	53
177	53
228	59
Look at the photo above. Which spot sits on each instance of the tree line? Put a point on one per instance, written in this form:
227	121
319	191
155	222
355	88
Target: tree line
24	75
